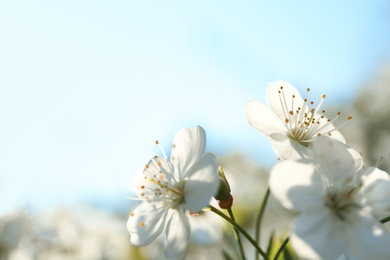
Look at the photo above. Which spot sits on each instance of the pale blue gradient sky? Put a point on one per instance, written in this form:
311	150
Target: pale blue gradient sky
87	86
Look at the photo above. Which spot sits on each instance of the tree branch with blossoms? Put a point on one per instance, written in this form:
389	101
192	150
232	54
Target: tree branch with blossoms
339	204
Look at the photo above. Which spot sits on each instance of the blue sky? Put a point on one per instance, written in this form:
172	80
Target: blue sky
88	86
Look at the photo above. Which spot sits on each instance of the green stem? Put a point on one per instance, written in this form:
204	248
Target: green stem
385	219
237	234
239	228
259	218
281	248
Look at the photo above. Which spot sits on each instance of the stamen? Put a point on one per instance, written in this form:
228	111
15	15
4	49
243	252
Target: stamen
343	124
157	164
292	104
320	104
166	187
284	104
304	122
162	150
338	127
379	162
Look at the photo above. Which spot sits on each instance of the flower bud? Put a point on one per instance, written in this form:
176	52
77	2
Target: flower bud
224	198
226	204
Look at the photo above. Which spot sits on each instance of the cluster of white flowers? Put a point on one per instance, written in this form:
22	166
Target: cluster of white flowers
338	201
322	178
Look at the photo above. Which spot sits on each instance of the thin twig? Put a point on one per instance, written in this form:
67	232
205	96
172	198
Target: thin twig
259	218
242	231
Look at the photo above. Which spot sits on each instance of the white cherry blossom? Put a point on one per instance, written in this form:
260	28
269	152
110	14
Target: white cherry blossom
171	190
337	201
291	123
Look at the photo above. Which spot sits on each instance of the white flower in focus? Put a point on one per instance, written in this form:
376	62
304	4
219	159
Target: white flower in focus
292	123
337	202
171	190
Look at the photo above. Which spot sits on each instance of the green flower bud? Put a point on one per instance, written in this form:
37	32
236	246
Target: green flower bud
224	198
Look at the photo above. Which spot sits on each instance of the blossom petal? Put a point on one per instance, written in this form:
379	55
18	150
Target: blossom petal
202	183
177	235
145	223
206	228
188	146
369	240
287	148
319	235
297	185
263	119
275	100
376	190
338	162
335	134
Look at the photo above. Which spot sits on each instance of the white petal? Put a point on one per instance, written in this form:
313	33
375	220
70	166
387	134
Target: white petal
335	134
357	159
297	185
376	190
338	162
286	148
318	235
274	98
145	223
202	183
177	235
263	119
206	228
188	146
369	240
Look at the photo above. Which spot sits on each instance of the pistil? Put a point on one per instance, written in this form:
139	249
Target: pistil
342	203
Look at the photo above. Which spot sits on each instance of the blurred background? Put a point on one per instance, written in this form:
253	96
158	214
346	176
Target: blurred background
88	86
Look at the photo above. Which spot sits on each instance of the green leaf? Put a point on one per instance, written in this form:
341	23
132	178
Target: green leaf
271	244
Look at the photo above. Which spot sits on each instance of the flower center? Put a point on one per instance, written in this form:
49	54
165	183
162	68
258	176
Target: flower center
159	184
304	122
343	202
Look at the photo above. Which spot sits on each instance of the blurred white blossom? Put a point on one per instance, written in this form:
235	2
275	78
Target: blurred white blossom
12	227
337	200
66	234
